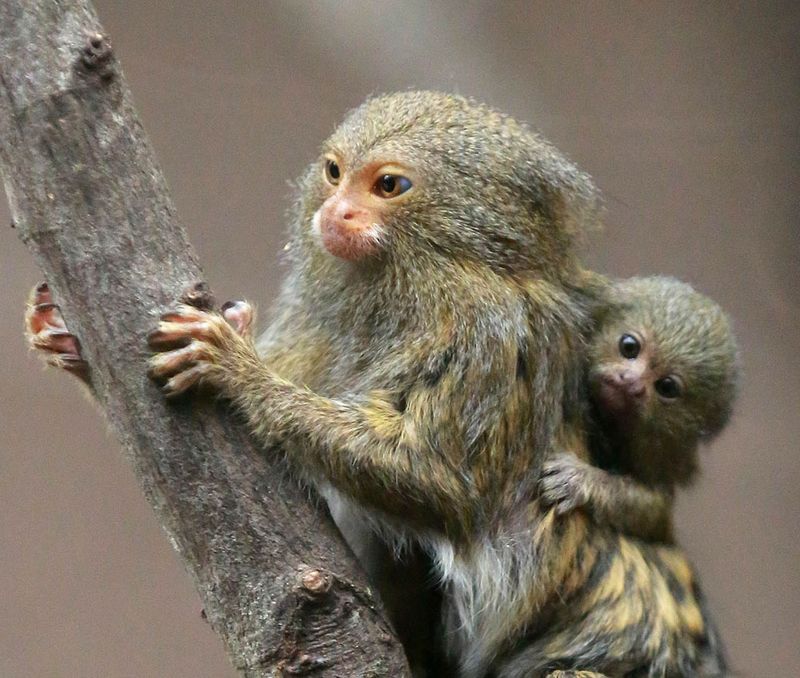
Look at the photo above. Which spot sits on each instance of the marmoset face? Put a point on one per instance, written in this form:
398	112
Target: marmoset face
352	222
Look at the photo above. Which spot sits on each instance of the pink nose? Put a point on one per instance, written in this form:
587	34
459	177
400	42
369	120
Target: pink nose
347	211
626	381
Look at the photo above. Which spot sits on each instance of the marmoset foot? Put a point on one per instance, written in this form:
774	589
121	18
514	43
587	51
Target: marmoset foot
48	334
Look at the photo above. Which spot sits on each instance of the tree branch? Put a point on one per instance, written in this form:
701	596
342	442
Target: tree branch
91	204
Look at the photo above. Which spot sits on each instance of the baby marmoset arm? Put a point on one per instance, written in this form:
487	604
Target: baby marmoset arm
619	501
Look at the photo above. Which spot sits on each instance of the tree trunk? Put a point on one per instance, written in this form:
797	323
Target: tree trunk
91	204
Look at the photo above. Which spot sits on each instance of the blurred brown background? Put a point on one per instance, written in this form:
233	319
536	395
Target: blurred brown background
685	113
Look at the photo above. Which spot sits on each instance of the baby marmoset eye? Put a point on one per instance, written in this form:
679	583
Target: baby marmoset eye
669	387
391	185
629	346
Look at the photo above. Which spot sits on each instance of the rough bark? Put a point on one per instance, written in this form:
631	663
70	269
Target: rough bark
90	202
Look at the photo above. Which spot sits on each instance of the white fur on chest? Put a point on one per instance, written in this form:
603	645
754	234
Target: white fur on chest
482	600
482	595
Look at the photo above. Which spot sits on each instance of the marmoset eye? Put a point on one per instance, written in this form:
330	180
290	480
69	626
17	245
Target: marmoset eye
391	185
332	171
668	387
629	346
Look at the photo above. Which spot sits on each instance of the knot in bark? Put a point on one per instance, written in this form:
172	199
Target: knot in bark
96	56
316	582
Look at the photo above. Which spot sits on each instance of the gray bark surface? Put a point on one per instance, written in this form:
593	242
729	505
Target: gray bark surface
91	204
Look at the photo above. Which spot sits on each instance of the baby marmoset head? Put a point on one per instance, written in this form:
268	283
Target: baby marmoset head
662	376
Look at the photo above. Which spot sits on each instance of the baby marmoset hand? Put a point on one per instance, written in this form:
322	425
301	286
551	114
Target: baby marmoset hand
566	483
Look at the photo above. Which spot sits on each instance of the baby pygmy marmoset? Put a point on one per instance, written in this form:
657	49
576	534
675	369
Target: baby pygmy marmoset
662	379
